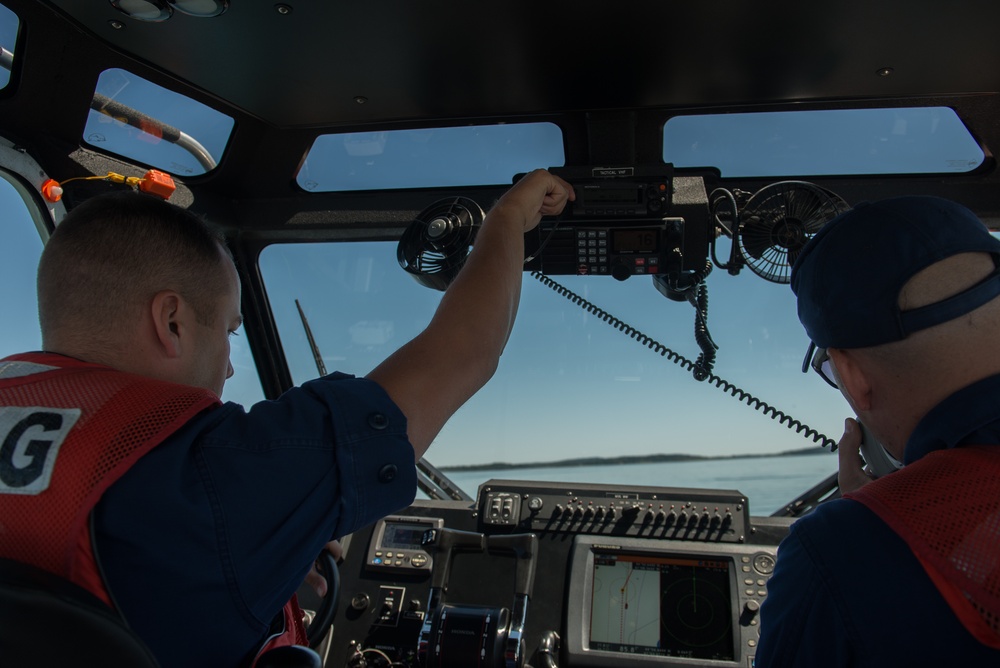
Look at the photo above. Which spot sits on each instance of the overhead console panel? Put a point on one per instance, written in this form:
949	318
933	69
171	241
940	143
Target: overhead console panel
625	221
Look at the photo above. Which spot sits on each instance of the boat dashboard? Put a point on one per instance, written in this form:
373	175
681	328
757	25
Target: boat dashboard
558	574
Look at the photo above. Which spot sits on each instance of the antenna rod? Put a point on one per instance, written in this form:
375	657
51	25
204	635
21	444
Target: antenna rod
312	342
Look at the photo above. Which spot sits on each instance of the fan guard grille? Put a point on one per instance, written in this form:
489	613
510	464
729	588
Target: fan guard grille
433	248
778	221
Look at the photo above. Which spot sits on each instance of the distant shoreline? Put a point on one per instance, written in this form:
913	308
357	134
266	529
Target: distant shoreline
626	459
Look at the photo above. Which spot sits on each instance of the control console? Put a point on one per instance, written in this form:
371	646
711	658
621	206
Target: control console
558	574
642	512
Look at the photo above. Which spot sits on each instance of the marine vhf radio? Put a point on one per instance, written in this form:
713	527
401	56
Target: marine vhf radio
625	221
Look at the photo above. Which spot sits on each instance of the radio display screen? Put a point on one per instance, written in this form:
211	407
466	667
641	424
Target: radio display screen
634	241
622	195
676	606
403	536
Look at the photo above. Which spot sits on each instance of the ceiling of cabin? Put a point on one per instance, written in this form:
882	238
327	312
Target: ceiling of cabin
407	60
609	76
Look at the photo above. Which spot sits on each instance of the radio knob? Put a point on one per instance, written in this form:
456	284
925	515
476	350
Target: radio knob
621	270
750	610
653	202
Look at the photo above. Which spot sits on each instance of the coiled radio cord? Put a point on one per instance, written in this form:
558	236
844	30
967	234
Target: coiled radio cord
800	428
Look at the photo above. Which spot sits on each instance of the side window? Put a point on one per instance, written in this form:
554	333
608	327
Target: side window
20	249
9	25
244	387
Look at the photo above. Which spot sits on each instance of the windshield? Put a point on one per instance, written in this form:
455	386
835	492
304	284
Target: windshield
572	392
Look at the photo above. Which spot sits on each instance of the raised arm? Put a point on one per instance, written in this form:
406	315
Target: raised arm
430	377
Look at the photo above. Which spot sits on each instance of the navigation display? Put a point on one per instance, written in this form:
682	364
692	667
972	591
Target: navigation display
401	535
677	606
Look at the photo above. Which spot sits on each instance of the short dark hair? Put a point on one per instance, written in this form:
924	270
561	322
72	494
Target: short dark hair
113	252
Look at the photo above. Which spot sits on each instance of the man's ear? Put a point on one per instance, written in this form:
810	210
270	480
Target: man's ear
166	311
854	380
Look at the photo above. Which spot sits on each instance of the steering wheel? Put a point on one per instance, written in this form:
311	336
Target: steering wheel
323	620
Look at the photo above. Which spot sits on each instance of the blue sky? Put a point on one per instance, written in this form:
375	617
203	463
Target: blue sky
568	385
18	260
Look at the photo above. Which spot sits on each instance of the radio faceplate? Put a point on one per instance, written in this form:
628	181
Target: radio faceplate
397	544
642	191
625	221
620	199
593	247
646	248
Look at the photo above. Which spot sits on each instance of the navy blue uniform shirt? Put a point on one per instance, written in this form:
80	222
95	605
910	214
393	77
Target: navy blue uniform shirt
847	591
206	537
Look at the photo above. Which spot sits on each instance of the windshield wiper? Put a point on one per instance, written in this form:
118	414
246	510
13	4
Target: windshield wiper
827	489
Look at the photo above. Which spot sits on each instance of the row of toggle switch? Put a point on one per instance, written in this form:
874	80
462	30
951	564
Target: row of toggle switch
676	514
651	516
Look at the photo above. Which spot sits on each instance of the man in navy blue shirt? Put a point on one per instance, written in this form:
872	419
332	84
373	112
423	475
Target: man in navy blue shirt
208	534
900	301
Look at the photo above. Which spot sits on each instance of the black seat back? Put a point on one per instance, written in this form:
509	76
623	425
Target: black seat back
48	621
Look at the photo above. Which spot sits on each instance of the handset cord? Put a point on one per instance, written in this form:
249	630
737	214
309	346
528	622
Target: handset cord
684	362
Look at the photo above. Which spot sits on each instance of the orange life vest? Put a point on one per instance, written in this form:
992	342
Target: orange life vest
946	506
68	431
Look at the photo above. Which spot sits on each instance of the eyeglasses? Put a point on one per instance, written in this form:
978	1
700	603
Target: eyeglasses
820	362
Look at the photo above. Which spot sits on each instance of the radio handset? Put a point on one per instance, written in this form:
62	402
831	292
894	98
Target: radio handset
879	461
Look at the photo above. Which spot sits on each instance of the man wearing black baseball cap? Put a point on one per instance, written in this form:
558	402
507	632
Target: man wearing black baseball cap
900	301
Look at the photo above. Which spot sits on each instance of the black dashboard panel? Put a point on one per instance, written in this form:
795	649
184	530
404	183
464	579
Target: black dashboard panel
553	574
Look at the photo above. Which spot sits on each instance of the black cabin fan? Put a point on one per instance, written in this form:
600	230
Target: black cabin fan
434	246
778	220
